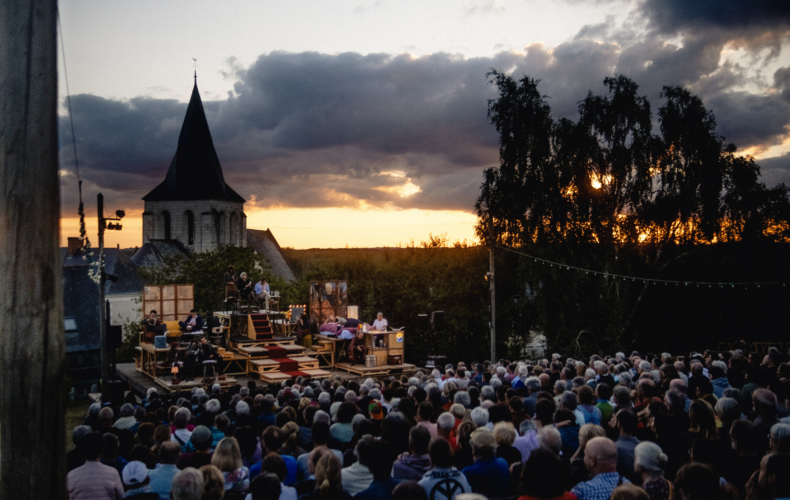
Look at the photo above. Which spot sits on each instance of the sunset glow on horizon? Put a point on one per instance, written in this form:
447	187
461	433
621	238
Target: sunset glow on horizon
303	228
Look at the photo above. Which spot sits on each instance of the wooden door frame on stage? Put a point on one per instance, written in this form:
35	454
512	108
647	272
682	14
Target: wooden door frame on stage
171	302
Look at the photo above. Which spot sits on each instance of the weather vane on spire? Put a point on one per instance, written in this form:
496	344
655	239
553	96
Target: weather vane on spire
195	70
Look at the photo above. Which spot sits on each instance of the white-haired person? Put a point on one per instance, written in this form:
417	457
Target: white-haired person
649	462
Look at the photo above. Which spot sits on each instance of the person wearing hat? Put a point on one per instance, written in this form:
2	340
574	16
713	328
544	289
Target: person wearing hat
135	481
376	411
488	475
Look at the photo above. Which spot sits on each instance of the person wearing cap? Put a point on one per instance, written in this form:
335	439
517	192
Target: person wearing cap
488	475
201	441
136	481
376	411
94	480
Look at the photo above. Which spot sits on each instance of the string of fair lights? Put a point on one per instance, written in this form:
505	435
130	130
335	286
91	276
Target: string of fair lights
653	281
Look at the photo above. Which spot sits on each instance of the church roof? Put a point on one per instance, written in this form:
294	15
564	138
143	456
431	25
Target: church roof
195	172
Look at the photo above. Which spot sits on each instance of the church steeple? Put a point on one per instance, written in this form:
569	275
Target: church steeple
195	172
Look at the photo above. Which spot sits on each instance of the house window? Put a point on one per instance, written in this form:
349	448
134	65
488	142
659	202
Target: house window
166	220
190	227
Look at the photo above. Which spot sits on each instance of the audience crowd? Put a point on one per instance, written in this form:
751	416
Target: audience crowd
712	425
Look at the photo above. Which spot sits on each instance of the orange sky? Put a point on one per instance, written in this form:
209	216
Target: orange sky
315	227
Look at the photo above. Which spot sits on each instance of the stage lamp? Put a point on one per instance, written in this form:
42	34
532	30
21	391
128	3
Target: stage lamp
489	276
120	214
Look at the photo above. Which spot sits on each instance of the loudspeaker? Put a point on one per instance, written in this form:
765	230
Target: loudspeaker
437	320
114	336
115	396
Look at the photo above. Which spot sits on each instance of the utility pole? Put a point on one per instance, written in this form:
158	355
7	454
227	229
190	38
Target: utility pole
33	354
105	372
103	316
492	289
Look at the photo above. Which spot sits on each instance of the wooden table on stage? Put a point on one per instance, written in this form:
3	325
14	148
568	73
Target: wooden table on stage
150	356
393	345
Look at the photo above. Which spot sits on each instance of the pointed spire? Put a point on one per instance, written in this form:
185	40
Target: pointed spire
195	172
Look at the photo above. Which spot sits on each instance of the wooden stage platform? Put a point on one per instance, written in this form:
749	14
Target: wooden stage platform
370	371
139	382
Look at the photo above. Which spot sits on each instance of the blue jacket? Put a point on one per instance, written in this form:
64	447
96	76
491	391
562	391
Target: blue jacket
720	385
489	477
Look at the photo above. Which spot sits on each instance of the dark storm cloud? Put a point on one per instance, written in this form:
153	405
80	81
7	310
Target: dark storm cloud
670	16
318	130
776	170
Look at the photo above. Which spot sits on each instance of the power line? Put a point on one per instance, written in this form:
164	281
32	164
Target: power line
81	210
654	281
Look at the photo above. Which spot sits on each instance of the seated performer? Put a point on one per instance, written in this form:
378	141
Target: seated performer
153	324
193	323
302	329
357	348
206	351
245	286
262	292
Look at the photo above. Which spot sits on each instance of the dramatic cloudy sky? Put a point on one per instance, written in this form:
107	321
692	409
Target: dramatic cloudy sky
364	123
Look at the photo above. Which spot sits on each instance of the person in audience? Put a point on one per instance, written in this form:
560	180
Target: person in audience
94	480
488	475
649	463
629	492
697	482
213	483
136	481
110	456
328	482
358	476
274	464
578	471
414	464
772	481
379	461
627	423
227	458
443	481
544	476
188	484
201	439
600	458
162	476
267	486
505	436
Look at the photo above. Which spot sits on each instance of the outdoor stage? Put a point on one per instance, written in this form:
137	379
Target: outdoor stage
260	345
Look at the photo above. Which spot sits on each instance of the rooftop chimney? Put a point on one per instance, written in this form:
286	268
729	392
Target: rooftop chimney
75	245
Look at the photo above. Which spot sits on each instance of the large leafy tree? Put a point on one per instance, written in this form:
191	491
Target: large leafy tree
607	192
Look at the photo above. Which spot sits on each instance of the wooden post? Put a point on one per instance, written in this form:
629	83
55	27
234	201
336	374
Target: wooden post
32	344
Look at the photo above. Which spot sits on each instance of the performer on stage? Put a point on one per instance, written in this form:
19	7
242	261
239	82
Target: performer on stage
244	286
380	323
357	348
262	291
153	324
193	323
303	330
